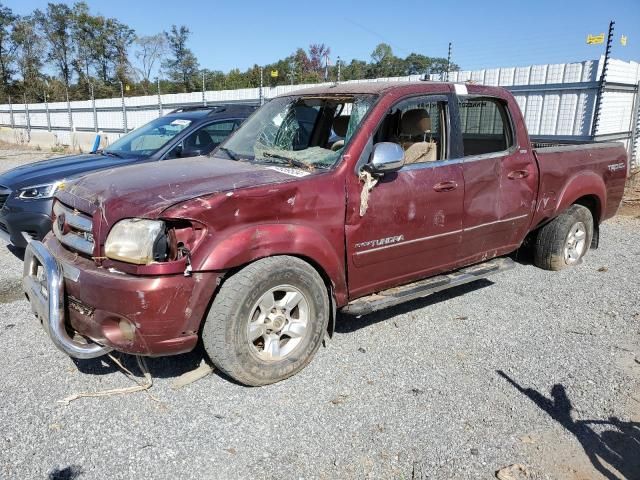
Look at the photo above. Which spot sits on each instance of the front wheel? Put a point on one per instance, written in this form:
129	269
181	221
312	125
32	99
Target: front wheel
267	321
565	240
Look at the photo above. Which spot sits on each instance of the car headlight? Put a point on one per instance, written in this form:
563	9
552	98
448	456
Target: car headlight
46	190
137	240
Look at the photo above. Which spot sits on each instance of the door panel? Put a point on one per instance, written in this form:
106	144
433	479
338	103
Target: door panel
499	180
410	229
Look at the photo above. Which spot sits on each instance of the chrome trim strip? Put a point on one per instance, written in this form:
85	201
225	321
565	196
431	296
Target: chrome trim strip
74	241
511	219
432	164
408	242
74	219
452	232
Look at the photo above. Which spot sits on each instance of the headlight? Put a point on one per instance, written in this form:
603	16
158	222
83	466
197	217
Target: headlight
46	190
138	241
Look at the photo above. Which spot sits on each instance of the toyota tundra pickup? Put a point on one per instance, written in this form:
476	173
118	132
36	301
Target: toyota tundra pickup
350	197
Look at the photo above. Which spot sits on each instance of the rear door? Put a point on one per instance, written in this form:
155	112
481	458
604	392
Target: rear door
499	180
412	226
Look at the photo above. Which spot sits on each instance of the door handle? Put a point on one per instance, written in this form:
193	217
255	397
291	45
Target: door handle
518	174
445	186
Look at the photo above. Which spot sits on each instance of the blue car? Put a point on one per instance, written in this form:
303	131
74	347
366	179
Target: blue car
26	192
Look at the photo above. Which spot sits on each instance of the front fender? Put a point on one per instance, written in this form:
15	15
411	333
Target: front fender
265	240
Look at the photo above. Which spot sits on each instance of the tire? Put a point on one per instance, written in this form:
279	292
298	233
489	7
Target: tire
267	321
565	240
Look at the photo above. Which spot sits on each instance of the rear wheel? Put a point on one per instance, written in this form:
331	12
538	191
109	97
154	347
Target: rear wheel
267	321
565	240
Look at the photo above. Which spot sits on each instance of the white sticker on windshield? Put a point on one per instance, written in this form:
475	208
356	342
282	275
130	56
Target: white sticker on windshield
460	89
180	122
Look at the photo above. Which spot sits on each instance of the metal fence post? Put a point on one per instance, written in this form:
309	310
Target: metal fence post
124	109
204	99
46	107
160	112
603	82
93	107
28	117
13	123
634	161
261	91
69	112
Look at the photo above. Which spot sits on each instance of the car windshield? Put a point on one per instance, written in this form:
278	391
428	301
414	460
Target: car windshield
146	140
306	132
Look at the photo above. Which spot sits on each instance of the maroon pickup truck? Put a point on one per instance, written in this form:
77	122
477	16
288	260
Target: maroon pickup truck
350	197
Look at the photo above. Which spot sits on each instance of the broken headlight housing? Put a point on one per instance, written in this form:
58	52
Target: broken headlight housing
137	240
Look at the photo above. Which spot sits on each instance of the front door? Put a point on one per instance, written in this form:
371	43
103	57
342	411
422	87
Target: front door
412	224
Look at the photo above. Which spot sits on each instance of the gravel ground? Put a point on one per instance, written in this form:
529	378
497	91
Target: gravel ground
412	392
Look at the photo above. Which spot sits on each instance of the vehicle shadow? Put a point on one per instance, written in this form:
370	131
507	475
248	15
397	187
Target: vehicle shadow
618	445
16	252
159	367
346	323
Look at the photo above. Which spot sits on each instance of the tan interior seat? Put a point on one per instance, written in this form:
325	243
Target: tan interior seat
340	126
417	123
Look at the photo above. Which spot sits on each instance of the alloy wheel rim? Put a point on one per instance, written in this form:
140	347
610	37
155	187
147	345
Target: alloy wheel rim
575	244
278	323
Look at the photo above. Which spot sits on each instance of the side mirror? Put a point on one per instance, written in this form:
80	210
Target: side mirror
387	157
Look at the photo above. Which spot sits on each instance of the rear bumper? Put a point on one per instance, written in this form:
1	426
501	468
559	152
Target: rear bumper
138	315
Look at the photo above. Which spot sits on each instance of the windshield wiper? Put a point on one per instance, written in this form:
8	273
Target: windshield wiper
232	155
287	160
107	153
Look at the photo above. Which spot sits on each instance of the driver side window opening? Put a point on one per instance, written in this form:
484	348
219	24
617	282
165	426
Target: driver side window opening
419	127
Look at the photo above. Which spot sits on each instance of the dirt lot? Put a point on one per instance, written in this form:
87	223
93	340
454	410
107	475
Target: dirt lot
530	367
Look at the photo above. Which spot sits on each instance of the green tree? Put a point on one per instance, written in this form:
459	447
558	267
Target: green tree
57	24
121	37
182	66
83	33
30	48
7	47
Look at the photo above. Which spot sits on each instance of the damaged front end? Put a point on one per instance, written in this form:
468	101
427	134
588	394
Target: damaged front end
133	292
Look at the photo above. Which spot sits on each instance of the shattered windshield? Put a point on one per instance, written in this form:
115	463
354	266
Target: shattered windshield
306	132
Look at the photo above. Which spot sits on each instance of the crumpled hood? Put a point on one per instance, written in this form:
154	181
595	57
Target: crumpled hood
54	169
146	190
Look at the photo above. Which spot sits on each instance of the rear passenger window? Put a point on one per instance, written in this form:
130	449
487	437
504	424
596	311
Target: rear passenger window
485	126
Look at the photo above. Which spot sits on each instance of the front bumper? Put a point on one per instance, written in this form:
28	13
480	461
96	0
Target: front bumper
132	314
43	283
24	220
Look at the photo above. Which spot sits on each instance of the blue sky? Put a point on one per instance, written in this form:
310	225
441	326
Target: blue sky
228	34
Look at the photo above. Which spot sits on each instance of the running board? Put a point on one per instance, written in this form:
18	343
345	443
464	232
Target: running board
423	288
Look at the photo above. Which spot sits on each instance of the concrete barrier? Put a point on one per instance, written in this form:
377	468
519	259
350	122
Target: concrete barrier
56	140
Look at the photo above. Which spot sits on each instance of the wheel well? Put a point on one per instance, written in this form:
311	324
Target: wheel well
589	201
318	268
593	204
